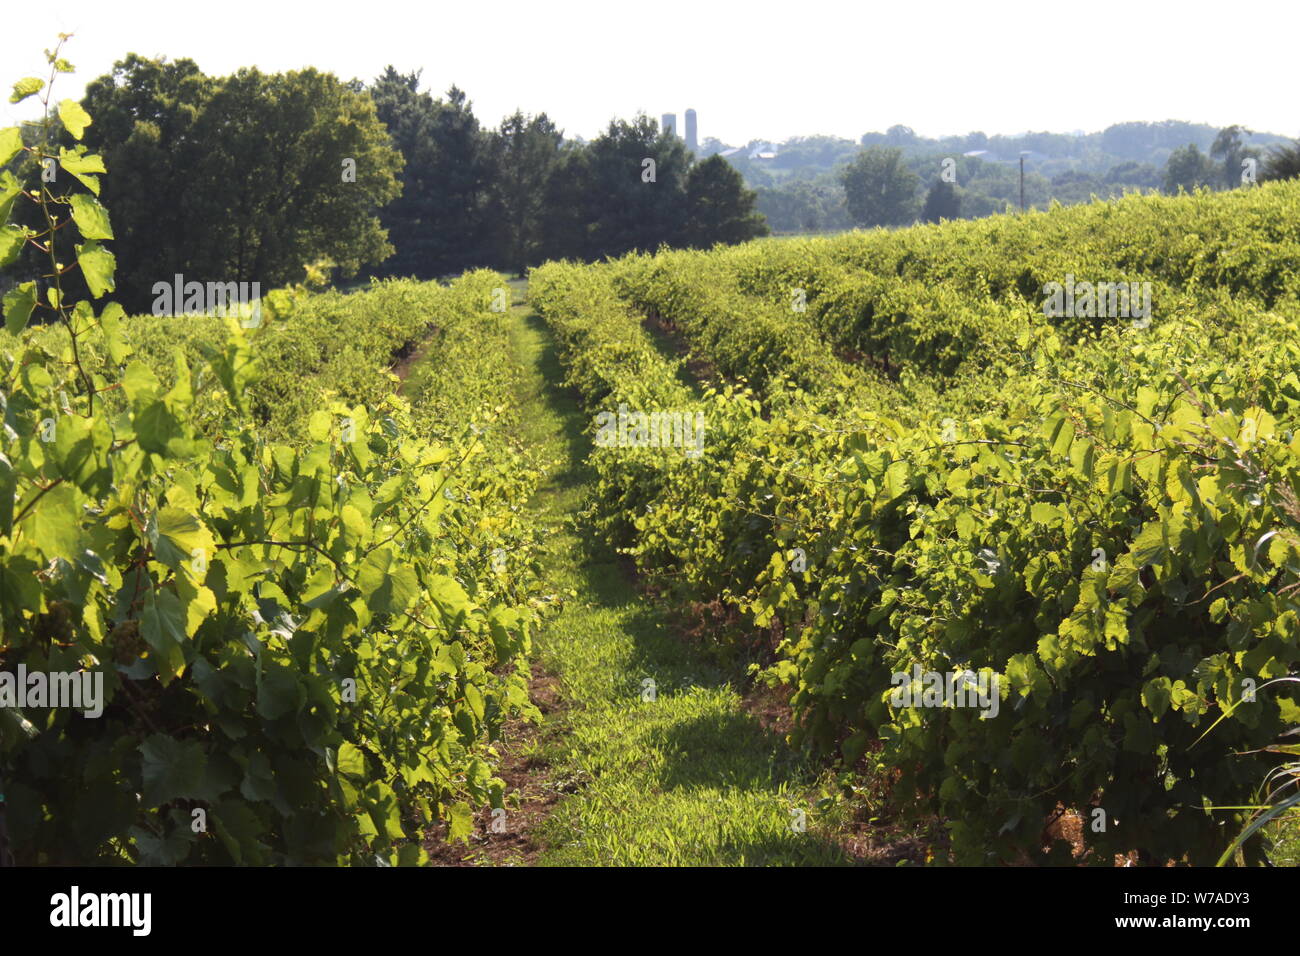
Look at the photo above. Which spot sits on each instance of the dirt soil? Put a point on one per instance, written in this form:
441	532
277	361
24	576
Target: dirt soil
527	777
405	358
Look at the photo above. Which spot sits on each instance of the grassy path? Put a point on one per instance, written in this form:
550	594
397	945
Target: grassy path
665	764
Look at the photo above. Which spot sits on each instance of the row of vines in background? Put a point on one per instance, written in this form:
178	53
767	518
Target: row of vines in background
1103	521
310	601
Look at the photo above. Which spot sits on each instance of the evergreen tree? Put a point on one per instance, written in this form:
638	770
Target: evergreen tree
941	202
410	219
524	152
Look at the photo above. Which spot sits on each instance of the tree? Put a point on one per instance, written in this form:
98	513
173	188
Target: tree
295	167
1282	162
718	206
461	187
1188	168
442	224
900	135
941	202
879	189
807	152
1231	153
524	151
145	111
257	159
1130	173
712	145
804	205
1075	185
1138	141
608	203
411	219
567	204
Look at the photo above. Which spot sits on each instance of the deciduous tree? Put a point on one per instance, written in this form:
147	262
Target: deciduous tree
879	188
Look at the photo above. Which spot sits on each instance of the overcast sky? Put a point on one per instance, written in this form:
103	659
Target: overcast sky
755	70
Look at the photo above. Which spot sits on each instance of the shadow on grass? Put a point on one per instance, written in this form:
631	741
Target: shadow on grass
788	849
564	402
725	749
714	751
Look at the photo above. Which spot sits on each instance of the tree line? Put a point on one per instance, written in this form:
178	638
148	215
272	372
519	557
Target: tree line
255	175
882	187
800	188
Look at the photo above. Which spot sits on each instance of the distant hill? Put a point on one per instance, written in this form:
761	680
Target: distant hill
799	189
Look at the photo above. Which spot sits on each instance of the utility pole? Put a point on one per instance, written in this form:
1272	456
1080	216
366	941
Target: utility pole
1022	180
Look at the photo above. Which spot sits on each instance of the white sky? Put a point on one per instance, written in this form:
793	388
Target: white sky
762	69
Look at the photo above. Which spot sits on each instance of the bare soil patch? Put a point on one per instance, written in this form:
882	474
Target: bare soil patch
526	773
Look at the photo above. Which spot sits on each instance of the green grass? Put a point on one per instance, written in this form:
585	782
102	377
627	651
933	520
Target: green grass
686	778
1286	845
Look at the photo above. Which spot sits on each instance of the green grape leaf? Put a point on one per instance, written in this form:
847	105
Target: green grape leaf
162	625
140	383
1156	696
278	692
110	320
97	265
388	585
171	769
74	118
12	239
351	762
10	190
18	305
56	522
83	166
239	829
460	821
91	218
28	86
319	425
158	430
11	143
180	539
450	597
